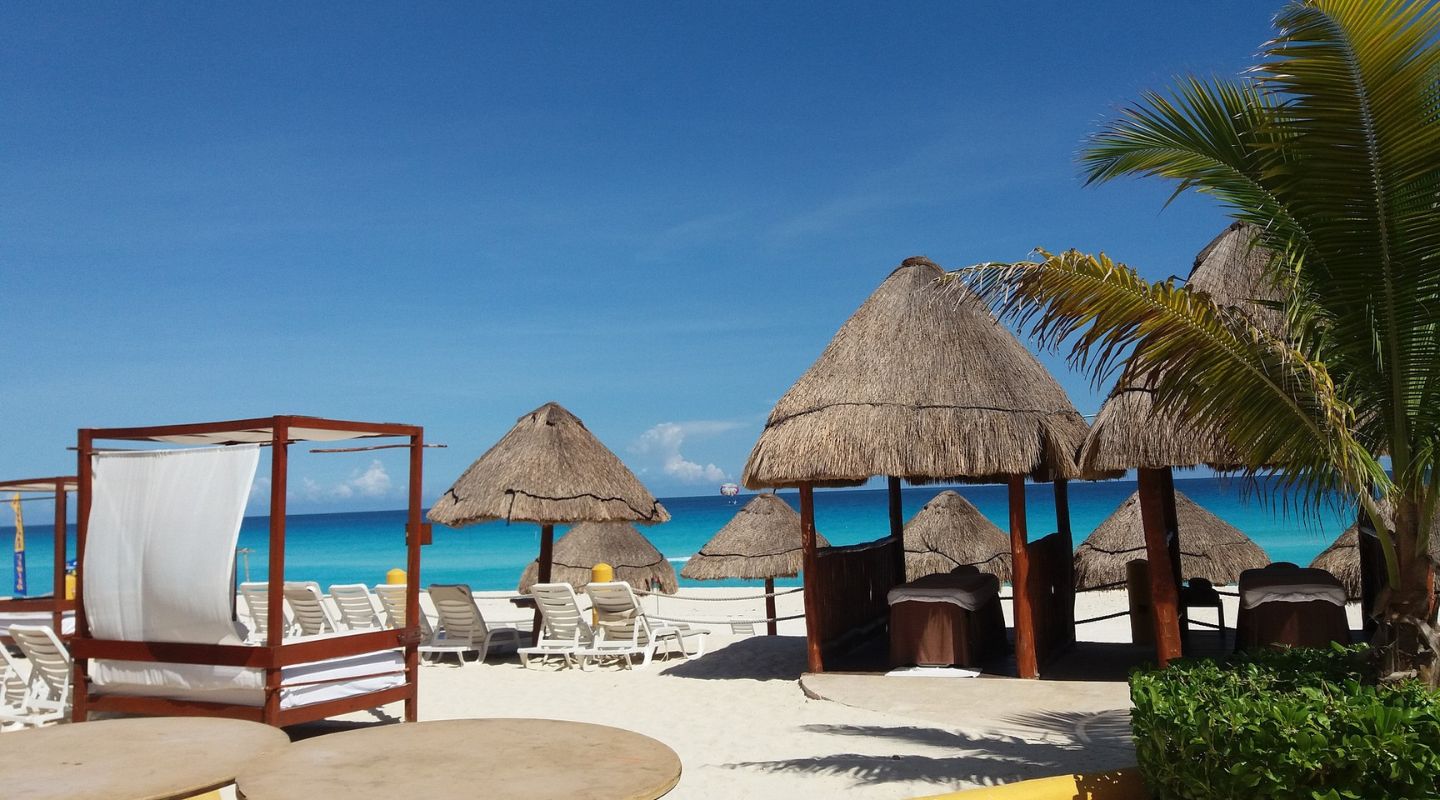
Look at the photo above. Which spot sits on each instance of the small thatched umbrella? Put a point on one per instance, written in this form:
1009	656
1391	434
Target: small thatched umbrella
949	532
921	383
762	541
1130	433
1212	548
549	469
618	544
1342	557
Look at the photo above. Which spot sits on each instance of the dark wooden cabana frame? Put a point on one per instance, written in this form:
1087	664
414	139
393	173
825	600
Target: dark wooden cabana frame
279	432
56	604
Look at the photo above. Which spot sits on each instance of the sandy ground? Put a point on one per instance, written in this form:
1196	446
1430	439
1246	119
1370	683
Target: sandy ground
744	728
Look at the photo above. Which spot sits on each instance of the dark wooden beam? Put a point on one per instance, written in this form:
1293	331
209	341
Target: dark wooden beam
1164	591
897	526
809	558
1026	661
547	557
770	624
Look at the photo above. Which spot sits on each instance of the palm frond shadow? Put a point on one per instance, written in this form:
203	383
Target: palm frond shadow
976	759
1085	727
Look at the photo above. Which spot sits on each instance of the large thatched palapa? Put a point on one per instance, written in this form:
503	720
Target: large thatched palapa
1211	548
549	469
1129	433
618	544
761	542
949	532
922	383
1342	557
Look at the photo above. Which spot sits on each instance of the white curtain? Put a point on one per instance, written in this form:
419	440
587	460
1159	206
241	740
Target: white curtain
160	549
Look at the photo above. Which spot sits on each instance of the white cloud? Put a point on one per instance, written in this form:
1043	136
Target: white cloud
373	481
663	442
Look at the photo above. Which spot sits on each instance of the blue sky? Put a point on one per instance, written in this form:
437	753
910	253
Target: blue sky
447	214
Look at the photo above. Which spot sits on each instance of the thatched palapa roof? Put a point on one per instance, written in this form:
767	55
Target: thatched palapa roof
1342	557
921	383
618	544
1210	548
549	469
1129	433
949	532
760	542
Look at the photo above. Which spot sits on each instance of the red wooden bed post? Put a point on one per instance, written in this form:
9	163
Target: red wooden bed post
1172	522
1164	593
897	527
1026	661
275	588
58	613
809	560
414	538
79	679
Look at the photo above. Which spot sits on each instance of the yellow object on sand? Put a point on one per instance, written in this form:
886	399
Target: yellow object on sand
395	577
602	573
1120	784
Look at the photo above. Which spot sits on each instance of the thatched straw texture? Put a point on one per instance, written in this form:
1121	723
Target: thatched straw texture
1209	547
618	544
1129	433
1342	557
923	384
950	532
762	541
549	469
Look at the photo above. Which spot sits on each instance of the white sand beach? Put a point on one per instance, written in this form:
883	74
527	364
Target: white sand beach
744	727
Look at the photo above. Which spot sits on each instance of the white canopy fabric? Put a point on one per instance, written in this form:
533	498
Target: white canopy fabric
160	547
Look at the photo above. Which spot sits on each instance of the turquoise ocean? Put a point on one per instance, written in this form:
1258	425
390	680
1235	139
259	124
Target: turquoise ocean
361	547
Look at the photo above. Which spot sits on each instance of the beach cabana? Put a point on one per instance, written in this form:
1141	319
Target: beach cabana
551	470
1213	549
156	631
761	542
949	532
922	384
618	544
54	610
1359	563
1130	433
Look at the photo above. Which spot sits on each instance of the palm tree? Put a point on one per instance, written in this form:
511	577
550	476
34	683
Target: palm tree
1330	150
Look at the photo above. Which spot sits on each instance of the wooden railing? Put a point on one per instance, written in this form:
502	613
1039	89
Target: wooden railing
1051	590
851	586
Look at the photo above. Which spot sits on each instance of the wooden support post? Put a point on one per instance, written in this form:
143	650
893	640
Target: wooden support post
897	527
57	615
414	538
79	677
1062	526
275	580
809	559
1164	593
1026	661
771	625
547	555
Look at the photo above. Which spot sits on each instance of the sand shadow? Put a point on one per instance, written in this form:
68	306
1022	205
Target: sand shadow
760	658
978	759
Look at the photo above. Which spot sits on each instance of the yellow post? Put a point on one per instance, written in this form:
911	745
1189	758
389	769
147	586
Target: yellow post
69	586
395	577
600	573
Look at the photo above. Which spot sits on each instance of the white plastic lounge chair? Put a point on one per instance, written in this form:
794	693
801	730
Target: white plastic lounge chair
257	604
307	606
462	626
623	631
12	681
564	631
357	611
47	693
392	602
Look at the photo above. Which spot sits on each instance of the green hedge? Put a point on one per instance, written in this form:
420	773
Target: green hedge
1284	724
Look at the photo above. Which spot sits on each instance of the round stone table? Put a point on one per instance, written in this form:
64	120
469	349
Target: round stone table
467	758
151	758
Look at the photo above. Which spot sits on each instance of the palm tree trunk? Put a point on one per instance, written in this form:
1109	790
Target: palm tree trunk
1406	637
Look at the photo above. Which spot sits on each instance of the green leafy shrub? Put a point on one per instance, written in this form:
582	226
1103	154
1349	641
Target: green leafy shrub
1284	724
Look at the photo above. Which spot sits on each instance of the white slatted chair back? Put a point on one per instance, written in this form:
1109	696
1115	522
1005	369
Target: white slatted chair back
560	612
257	604
49	686
357	611
618	616
12	680
307	607
460	617
392	600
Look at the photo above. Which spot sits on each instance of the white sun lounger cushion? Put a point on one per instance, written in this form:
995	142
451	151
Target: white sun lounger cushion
1259	586
970	591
